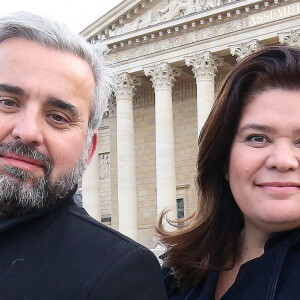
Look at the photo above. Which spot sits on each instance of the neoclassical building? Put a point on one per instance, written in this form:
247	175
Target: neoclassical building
170	57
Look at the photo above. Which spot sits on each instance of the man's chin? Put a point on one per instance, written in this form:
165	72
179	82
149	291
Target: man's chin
19	196
22	193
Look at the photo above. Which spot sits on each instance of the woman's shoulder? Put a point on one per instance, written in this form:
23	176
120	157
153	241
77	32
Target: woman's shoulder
202	290
169	279
173	291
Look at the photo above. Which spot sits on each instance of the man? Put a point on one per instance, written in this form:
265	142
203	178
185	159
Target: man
53	90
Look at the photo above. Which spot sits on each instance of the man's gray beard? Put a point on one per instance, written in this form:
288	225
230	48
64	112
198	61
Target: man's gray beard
21	193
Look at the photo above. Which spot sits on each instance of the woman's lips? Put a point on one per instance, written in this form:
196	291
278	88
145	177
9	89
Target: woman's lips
21	162
279	187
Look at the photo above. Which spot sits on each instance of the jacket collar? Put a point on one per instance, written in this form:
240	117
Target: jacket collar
7	222
288	238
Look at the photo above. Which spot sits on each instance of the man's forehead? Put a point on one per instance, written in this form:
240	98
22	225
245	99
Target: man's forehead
16	46
29	65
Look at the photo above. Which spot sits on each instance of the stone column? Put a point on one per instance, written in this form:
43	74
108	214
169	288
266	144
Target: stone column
291	38
244	49
127	200
204	68
162	77
91	188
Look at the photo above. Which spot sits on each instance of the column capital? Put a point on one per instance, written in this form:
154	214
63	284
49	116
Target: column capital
291	38
204	65
126	85
162	75
244	49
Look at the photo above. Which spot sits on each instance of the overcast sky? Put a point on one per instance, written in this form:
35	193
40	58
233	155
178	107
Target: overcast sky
77	14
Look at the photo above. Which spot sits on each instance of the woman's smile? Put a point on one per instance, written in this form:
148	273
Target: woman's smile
279	187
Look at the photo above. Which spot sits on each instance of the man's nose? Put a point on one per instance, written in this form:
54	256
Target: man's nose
27	129
283	157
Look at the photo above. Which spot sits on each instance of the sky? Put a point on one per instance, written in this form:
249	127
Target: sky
76	14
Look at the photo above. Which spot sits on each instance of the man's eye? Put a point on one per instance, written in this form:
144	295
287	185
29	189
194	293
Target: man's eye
8	103
58	118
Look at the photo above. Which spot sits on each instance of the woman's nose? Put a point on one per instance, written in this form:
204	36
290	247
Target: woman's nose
284	156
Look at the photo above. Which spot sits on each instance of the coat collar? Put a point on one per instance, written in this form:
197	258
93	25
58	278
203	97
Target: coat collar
7	222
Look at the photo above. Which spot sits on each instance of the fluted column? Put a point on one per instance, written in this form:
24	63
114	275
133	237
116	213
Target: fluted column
162	77
291	38
244	49
127	200
204	68
91	188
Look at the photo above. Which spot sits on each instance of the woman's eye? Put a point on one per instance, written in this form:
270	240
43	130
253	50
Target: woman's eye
257	139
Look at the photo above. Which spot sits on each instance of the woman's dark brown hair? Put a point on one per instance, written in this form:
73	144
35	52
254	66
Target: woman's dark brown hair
209	238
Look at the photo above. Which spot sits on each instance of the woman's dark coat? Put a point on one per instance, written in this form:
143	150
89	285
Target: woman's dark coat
273	276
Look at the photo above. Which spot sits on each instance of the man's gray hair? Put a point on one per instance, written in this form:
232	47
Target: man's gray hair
49	33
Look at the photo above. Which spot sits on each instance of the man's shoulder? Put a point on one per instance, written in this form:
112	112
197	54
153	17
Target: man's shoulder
81	256
79	228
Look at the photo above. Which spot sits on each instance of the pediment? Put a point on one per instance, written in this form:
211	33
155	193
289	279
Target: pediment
141	14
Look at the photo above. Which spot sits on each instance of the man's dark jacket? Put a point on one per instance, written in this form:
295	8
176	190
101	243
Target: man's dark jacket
64	254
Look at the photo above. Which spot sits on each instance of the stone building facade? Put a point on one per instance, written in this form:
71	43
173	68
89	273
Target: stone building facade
170	57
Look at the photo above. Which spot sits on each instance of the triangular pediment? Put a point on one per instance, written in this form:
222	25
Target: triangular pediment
132	15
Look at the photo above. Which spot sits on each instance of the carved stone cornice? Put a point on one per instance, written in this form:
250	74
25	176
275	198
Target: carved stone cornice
291	38
138	17
244	49
200	29
162	75
125	85
204	65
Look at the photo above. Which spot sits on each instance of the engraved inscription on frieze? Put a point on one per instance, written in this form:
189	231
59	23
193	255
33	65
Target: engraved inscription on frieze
257	19
275	14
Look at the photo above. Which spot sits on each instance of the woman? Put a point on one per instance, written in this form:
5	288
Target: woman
243	241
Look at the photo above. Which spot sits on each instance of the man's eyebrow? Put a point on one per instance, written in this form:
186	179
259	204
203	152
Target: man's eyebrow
257	127
65	106
12	89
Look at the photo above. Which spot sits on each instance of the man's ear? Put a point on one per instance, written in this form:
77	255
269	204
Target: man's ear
92	148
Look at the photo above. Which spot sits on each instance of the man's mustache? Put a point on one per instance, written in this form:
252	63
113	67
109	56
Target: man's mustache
18	148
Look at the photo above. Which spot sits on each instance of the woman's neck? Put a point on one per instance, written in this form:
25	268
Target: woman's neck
251	246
